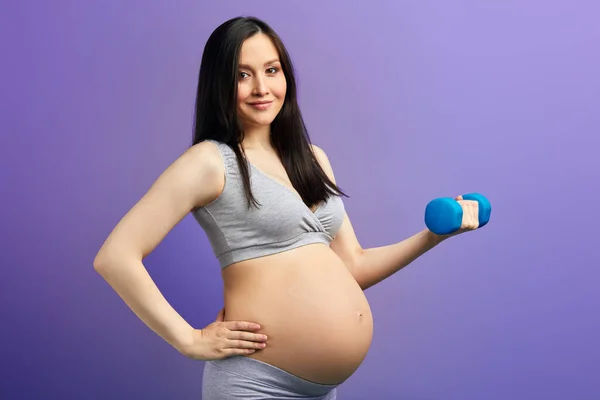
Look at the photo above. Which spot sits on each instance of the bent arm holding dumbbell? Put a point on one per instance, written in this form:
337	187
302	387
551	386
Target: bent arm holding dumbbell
444	218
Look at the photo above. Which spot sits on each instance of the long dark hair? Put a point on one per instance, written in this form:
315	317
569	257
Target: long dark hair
215	114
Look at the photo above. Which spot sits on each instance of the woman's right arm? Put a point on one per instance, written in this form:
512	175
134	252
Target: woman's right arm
193	180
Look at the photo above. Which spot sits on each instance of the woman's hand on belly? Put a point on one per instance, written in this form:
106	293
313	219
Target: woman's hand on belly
223	339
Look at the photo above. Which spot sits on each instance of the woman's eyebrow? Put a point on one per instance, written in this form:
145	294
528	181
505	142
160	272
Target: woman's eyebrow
276	60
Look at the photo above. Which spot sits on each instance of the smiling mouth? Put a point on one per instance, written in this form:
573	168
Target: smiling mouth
261	105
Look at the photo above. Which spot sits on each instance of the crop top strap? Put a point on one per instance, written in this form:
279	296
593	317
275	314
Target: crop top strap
229	159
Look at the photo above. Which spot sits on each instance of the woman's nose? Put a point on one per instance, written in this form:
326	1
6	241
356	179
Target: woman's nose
260	87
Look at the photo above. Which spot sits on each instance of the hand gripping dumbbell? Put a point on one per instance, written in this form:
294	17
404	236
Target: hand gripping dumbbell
444	215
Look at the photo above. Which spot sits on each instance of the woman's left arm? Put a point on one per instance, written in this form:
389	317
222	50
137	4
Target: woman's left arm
371	266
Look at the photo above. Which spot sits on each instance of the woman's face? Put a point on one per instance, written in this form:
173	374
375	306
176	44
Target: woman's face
261	82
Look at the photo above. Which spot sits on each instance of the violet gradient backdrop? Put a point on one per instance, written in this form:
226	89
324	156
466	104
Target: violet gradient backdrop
411	100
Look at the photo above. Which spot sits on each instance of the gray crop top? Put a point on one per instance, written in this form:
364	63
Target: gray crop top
282	222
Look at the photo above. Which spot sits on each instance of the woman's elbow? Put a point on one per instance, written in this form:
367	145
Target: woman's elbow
107	258
101	261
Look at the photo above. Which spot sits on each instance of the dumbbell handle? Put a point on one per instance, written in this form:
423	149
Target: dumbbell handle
444	215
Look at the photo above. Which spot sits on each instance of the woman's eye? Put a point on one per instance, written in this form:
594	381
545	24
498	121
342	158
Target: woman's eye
243	75
272	70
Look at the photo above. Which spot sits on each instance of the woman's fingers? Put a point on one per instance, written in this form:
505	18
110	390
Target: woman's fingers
246	340
244	344
236	352
241	326
470	214
241	335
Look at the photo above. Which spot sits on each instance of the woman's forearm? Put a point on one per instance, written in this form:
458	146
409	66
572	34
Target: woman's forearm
378	263
131	281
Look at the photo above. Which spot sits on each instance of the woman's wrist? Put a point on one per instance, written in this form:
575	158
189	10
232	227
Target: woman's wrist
435	239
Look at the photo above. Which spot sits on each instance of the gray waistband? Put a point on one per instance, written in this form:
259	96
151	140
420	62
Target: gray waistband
268	374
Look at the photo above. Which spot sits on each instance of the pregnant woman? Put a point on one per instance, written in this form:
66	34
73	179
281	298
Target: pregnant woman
295	322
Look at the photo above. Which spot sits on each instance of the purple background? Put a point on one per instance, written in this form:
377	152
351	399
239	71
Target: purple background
411	100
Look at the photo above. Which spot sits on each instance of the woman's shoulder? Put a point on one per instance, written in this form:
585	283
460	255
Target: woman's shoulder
319	153
205	155
323	161
201	167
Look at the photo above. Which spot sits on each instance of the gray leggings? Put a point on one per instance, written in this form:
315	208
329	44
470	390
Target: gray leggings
240	377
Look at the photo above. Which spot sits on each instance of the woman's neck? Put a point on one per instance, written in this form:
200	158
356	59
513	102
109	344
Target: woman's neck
258	138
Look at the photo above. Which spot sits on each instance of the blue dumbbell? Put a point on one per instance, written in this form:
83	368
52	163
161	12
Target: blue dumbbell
444	215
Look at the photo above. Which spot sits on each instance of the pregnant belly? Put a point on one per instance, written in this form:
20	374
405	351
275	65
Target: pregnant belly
316	317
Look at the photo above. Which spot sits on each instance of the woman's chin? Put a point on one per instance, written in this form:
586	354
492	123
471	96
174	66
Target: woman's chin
258	123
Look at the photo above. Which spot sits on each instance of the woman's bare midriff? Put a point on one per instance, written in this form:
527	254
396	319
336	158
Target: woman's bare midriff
315	315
